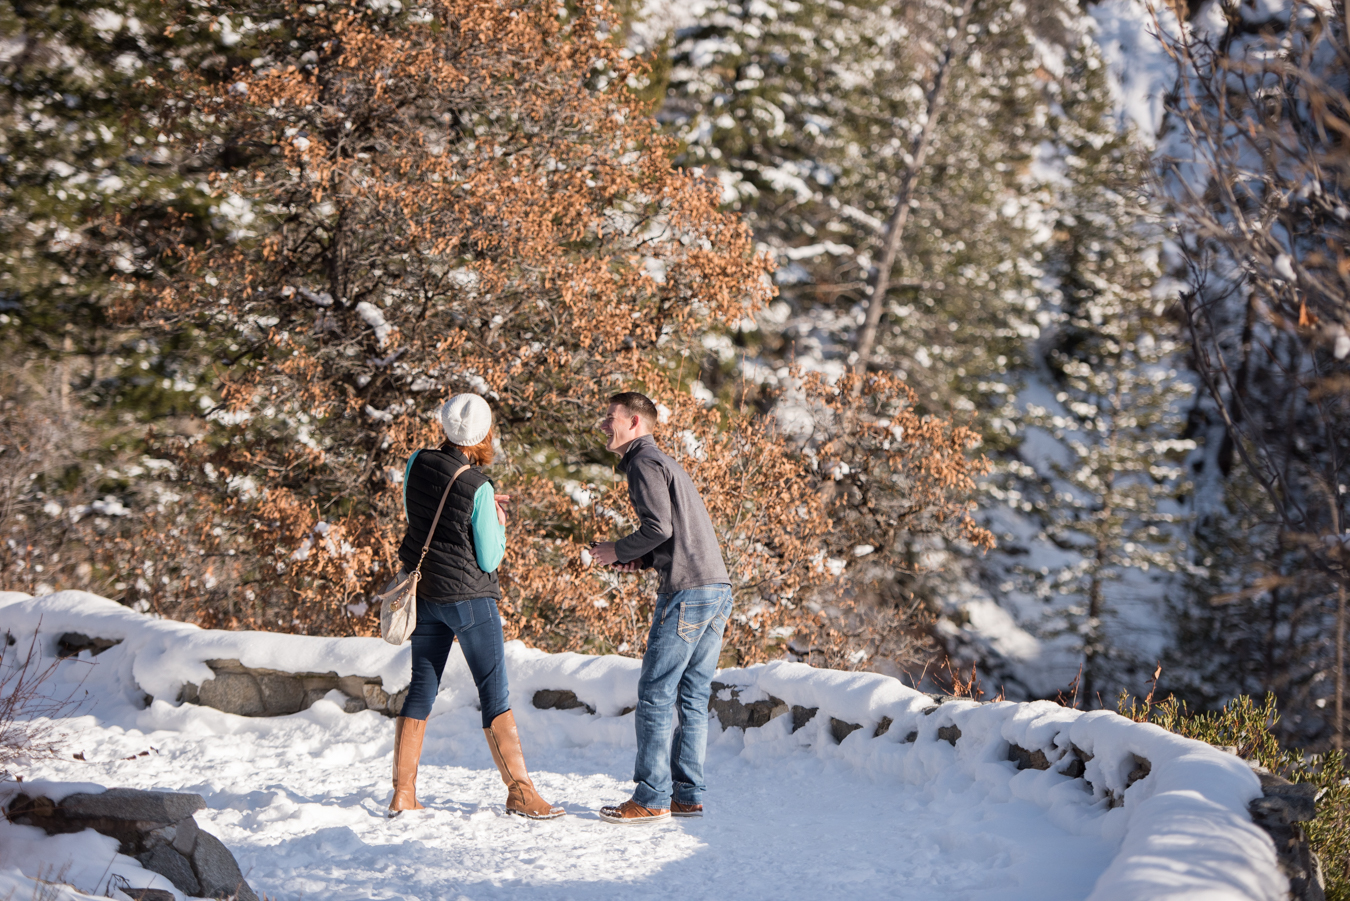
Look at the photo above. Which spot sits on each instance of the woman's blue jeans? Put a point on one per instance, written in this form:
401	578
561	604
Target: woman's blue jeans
682	650
478	626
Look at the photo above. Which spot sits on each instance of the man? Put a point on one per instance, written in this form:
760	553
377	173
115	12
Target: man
676	538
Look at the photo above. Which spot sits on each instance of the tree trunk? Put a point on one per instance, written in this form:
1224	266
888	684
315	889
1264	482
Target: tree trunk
1096	605
63	370
880	281
1094	639
1338	739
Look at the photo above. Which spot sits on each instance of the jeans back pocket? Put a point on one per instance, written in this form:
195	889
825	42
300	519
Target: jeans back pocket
698	608
460	615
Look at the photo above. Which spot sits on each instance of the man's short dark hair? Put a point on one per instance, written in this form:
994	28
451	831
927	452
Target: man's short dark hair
638	405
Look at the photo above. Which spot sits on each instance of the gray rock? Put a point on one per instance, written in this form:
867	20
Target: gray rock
1280	810
1076	765
282	693
1295	801
218	872
548	699
1141	769
841	730
132	804
149	894
167	862
912	737
237	693
802	715
948	734
248	691
734	712
396	703
353	686
1028	760
376	697
324	682
72	643
883	727
184	838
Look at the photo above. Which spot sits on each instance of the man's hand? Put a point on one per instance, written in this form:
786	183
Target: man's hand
502	500
603	552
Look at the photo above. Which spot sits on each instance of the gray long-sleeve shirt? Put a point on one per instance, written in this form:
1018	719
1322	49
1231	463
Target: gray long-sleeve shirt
676	536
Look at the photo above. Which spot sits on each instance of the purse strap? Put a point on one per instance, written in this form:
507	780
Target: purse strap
435	520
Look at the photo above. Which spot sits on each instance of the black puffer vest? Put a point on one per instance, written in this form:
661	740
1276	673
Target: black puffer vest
450	572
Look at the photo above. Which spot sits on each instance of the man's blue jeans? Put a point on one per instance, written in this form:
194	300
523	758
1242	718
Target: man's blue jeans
682	650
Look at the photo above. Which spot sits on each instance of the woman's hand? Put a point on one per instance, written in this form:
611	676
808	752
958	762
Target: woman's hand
502	500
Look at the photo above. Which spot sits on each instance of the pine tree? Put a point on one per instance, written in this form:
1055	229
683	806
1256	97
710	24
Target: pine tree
1114	499
804	112
87	177
1095	549
1028	264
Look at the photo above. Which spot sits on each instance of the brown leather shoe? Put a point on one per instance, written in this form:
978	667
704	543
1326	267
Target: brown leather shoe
631	813
407	752
685	810
521	798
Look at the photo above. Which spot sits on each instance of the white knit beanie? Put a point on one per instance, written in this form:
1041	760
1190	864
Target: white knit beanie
467	419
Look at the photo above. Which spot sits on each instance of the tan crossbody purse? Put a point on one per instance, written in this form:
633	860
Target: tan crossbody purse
398	601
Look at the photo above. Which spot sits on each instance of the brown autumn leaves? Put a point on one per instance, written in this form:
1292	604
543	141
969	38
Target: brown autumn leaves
476	201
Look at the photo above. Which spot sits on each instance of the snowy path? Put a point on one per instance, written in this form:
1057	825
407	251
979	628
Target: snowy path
299	799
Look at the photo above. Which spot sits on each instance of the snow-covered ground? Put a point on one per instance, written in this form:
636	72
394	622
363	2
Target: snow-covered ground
300	799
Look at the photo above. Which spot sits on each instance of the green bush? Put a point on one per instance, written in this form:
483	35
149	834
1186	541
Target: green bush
1243	726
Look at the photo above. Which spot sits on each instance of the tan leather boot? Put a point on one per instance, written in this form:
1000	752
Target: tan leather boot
407	752
631	813
521	797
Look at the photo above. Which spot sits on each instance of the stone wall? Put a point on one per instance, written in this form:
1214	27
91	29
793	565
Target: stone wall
238	689
1280	811
264	692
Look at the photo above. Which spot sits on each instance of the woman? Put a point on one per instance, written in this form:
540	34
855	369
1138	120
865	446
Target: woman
457	598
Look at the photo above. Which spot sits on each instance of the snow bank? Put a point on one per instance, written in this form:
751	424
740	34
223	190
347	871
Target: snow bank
158	656
1175	809
1184	829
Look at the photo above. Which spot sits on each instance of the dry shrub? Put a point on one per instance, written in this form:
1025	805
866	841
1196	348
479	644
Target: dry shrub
53	531
30	438
788	522
476	201
470	202
28	712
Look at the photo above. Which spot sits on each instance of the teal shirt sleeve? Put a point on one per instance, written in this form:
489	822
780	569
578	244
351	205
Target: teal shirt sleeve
407	472
489	536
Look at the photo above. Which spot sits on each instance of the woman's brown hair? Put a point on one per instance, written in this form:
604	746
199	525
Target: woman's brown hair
479	454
